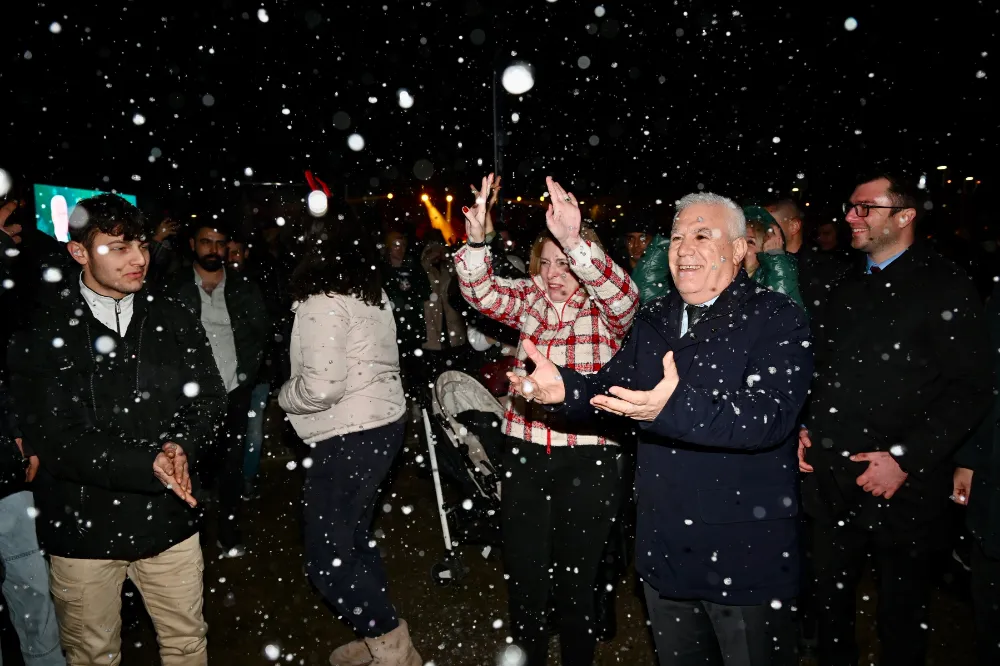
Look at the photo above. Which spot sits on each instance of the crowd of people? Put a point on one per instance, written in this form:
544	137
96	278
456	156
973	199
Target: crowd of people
781	406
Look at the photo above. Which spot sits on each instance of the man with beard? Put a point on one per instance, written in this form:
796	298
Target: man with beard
116	393
902	377
232	310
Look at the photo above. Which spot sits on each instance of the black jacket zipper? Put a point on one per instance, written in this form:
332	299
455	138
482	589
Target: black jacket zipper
93	358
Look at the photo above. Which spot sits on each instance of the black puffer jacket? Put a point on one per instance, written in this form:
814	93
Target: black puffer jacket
97	408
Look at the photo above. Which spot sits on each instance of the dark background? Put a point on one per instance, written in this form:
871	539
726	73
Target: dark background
678	96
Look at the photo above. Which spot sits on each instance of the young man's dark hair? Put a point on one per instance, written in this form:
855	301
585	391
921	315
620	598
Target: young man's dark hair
105	213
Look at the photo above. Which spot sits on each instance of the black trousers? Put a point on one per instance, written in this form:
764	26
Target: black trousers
557	511
903	572
986	602
223	466
702	633
339	501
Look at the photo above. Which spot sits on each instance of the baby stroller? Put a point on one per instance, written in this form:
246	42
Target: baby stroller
468	455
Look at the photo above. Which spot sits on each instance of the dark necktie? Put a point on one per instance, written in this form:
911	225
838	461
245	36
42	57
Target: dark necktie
694	313
875	269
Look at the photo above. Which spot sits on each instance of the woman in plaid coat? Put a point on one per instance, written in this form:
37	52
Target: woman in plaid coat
561	487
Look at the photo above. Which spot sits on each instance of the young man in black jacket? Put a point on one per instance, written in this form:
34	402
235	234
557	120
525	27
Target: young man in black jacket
902	377
232	311
117	392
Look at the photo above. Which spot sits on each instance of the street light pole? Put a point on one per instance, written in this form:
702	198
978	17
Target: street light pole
497	149
497	157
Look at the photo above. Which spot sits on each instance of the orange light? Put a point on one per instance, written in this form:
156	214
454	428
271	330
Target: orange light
519	198
448	198
389	196
949	181
424	198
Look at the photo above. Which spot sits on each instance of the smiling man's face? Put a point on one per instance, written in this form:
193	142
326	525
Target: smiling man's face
703	258
113	266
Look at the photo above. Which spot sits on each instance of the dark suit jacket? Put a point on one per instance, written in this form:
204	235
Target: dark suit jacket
716	482
981	454
247	313
902	365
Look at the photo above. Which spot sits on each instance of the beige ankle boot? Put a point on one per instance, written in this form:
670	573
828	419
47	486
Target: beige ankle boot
394	648
355	653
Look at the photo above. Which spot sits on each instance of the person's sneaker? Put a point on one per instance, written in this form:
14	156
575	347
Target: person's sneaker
239	550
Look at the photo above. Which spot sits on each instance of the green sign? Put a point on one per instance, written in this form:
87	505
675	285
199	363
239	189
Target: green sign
54	203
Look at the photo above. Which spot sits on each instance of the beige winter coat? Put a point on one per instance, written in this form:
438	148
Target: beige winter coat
345	368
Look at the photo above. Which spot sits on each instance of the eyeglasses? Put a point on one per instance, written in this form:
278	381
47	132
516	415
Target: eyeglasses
862	209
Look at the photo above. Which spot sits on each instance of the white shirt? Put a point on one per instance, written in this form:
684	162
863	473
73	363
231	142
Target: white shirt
684	317
113	313
215	319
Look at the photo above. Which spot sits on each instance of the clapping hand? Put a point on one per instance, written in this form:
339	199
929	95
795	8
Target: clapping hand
545	384
563	216
641	405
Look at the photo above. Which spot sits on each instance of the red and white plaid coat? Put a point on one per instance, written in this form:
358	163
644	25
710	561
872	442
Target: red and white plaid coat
582	334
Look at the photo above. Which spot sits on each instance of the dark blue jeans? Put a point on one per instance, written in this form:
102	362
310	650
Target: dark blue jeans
341	490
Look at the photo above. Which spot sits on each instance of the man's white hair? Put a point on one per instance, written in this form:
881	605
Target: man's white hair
736	220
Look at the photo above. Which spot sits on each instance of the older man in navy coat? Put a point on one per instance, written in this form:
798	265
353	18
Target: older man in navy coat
716	374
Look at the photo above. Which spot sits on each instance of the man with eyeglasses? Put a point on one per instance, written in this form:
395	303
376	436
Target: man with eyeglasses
902	376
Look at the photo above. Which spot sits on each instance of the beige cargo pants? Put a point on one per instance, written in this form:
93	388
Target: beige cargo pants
87	595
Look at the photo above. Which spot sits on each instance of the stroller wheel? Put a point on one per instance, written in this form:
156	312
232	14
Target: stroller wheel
448	571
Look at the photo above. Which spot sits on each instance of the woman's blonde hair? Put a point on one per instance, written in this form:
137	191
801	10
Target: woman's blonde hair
535	264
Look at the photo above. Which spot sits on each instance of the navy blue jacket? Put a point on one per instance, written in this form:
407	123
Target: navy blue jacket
717	476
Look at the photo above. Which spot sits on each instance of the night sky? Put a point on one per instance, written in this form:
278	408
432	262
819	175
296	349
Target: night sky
647	101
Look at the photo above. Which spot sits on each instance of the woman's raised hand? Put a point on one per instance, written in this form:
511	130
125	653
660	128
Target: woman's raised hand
563	216
475	217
